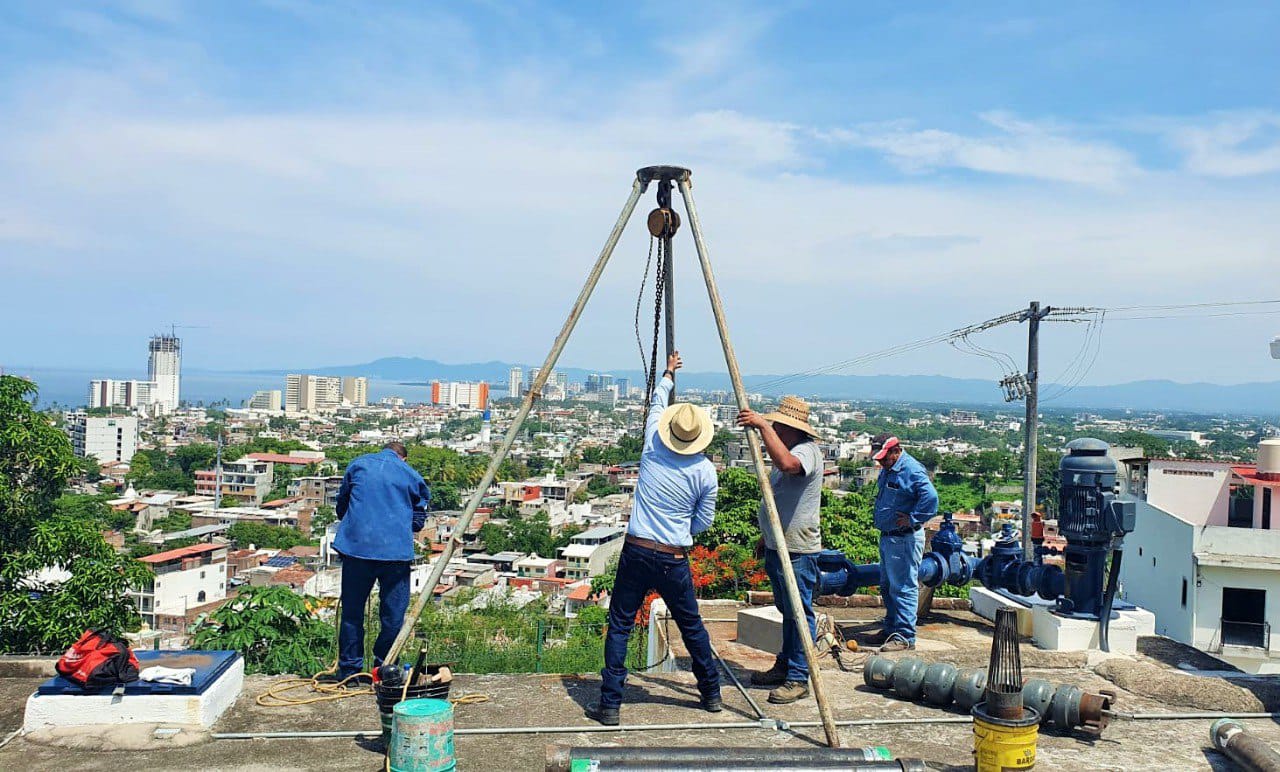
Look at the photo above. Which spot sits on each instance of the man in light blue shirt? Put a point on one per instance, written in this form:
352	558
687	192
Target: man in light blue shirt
675	499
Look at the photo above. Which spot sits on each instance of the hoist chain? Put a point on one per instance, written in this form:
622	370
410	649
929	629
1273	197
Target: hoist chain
663	223
660	286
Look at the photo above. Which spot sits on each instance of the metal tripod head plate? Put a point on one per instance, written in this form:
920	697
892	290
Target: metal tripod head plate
665	173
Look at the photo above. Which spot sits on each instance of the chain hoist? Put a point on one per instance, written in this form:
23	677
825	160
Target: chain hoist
663	223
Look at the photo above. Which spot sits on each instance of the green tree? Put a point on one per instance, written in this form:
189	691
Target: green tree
323	517
58	576
604	582
275	629
737	508
244	533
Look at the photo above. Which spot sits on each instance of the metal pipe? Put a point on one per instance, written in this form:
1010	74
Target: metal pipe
741	689
535	390
1196	715
757	459
1243	747
772	724
560	758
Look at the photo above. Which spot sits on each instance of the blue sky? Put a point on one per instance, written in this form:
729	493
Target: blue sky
327	183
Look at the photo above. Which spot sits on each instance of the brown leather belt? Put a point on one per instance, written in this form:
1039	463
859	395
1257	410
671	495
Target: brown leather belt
657	546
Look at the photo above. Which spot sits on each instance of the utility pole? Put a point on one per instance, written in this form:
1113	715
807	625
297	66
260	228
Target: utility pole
1031	425
217	476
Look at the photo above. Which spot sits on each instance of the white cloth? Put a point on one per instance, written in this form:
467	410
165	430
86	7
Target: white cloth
181	676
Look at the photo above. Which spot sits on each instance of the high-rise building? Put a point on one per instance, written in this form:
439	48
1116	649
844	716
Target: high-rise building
459	394
514	380
107	438
312	393
355	390
593	383
624	387
129	394
266	400
164	369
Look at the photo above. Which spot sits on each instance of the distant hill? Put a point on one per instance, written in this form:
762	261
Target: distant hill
1252	398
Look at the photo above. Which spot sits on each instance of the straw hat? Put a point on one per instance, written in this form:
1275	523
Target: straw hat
685	428
793	412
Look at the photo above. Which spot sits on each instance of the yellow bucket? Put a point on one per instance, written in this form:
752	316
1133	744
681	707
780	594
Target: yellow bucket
1000	748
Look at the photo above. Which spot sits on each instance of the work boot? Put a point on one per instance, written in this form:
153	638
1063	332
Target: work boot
896	643
789	692
878	638
712	704
607	716
774	676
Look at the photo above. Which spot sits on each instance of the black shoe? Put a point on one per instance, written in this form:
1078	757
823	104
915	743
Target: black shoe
606	716
712	704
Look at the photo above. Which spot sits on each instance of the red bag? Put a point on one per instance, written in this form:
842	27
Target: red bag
98	660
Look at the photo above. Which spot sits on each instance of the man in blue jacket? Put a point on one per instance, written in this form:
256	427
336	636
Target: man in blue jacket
905	501
382	503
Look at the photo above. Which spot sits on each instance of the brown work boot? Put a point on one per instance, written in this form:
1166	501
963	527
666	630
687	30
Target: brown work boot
789	692
896	643
878	638
774	676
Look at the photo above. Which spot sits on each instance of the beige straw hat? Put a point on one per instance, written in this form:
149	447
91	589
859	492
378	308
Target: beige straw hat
793	412
685	428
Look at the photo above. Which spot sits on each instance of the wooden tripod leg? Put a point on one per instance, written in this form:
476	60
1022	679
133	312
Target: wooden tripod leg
757	458
535	390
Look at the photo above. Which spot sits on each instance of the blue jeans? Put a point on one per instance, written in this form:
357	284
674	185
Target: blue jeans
899	568
641	570
358	576
805	568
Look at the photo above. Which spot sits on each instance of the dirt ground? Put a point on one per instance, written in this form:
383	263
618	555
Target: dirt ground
667	698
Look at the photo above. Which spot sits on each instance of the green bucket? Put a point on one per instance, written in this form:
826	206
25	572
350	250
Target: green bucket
422	736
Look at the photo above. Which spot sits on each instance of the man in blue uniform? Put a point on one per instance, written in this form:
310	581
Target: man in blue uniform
905	501
382	503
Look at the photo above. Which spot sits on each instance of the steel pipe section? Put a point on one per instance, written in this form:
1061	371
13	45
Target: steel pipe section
562	759
1247	750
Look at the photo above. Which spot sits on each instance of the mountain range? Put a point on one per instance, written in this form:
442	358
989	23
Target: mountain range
1262	398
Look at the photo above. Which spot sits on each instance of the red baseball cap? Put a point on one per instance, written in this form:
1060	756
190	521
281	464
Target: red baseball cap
882	444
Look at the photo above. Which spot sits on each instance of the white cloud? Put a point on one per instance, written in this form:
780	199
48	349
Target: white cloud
1231	145
1016	148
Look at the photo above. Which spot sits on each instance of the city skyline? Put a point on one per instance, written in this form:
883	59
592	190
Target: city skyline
861	181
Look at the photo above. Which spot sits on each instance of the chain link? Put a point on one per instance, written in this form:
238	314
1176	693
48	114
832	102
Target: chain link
660	286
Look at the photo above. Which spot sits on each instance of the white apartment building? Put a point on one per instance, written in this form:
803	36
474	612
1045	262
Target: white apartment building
185	578
355	391
964	418
316	490
589	553
247	481
460	394
106	392
515	378
312	393
107	438
269	400
164	369
1205	554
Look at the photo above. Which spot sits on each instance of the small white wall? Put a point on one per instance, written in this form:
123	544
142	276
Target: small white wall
178	591
1180	488
1157	558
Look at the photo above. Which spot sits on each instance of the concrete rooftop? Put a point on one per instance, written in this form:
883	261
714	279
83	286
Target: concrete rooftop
545	700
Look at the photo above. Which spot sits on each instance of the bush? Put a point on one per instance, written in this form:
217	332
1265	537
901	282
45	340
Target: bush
275	629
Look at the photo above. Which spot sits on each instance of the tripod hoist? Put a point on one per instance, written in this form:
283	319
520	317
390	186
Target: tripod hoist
663	223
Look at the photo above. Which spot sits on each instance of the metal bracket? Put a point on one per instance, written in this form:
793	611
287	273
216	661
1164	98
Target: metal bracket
665	173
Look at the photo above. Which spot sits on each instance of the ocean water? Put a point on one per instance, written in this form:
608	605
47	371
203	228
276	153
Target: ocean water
70	388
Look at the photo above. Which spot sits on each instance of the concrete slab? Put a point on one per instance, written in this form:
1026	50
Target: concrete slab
1050	631
1144	621
986	603
761	628
60	710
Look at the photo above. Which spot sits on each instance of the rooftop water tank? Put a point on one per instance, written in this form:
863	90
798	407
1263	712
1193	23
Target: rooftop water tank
1269	459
